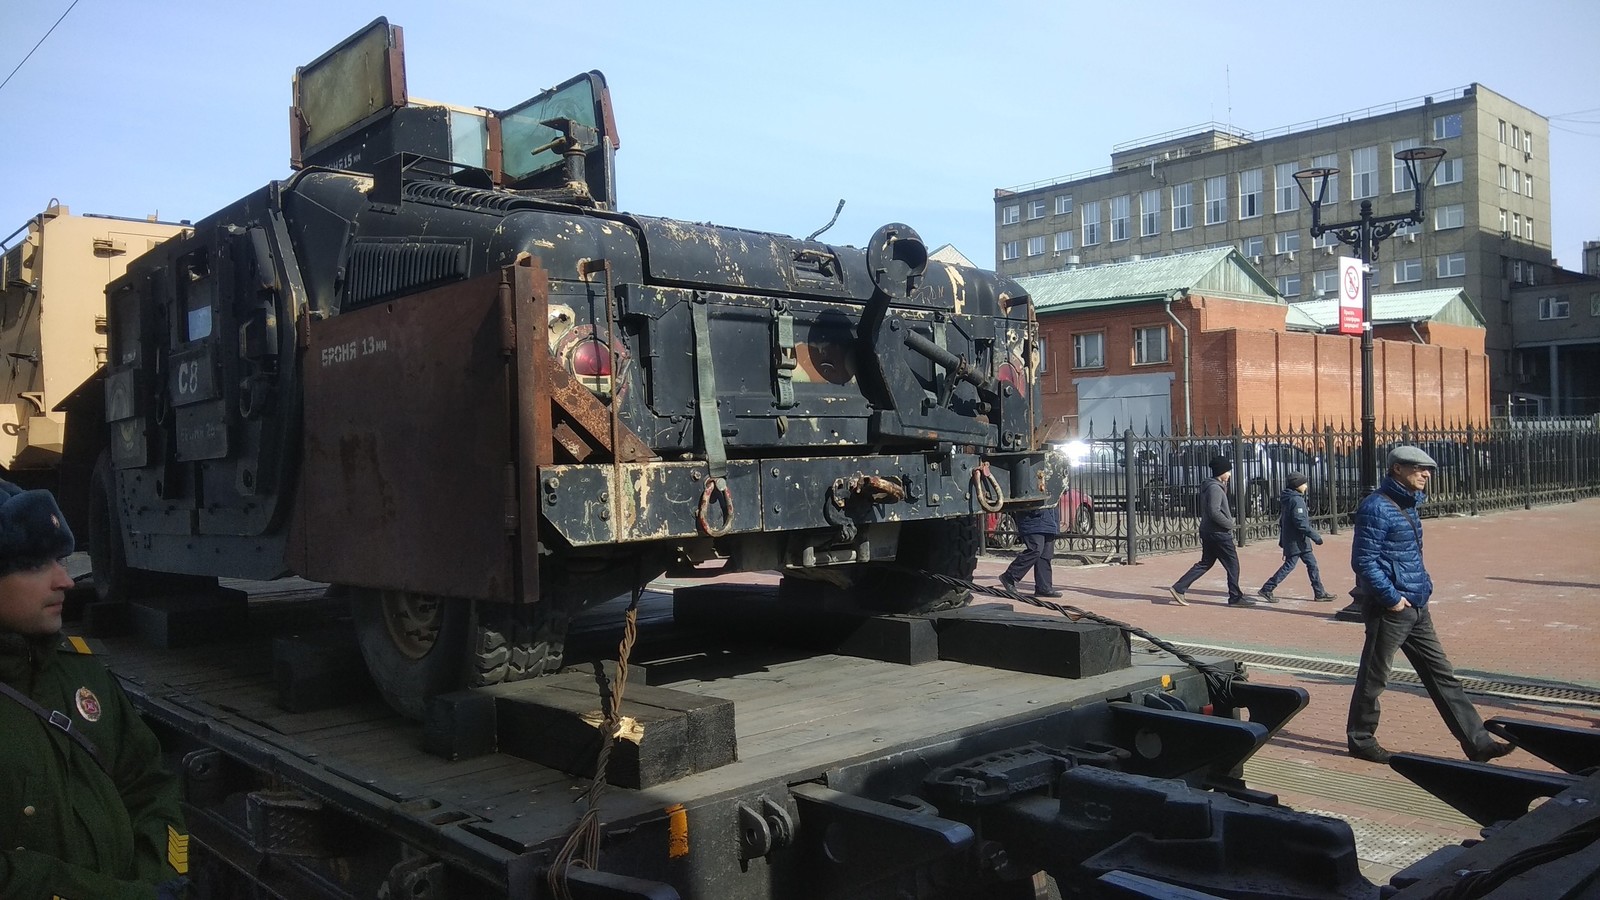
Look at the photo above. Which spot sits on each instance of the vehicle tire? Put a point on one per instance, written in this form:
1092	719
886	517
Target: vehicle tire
114	580
938	546
416	646
1083	522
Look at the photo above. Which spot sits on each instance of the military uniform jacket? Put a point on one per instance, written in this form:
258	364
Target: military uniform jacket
69	828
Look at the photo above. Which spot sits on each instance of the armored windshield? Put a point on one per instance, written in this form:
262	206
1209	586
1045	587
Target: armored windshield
526	142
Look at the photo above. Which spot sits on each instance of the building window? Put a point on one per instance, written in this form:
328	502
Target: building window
1091	225
1504	219
1289	285
1594	304
1064	205
1528	229
1407	230
1150	345
1407	270
1554	308
1121	217
1363	173
1516	135
1516	224
1009	215
1449	172
1287	242
1326	282
1036	246
1326	239
1284	186
1502	131
1527	185
1249	193
1035	209
1216	200
1063	241
1254	246
1448	127
1447	217
1150	212
1327	161
1182	204
1010	250
1401	177
1503	171
1451	265
1089	350
1527	142
1516	181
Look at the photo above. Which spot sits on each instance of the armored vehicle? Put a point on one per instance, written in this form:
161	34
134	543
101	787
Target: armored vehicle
437	366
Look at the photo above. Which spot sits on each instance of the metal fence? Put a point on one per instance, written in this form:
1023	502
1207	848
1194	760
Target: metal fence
1135	494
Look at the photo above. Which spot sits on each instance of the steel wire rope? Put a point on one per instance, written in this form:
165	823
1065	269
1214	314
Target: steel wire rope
36	47
582	847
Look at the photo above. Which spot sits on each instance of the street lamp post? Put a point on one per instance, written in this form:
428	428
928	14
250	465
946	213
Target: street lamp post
1365	234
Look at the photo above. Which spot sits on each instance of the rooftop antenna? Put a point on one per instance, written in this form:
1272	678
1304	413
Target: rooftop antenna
813	235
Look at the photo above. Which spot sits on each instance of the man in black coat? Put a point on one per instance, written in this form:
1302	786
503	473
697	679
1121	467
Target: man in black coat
1038	529
1216	536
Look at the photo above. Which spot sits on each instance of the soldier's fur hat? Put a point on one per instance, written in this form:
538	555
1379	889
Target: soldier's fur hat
32	529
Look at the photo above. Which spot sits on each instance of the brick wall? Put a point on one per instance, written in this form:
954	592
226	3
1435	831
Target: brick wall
1247	370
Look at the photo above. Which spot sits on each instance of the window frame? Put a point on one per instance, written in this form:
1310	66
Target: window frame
1121	216
1448	261
1010	250
1442	130
1407	271
1079	345
1011	214
1187	206
1149	218
1440	213
1283	282
1554	307
1216	205
1286	190
1251	185
1447	166
1059	246
1036	245
1282	241
1063	204
1398	174
1364	179
1141	350
1089	217
1036	209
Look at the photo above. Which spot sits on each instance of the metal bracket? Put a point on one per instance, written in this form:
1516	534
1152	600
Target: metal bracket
855	841
1484	793
761	832
1569	749
1170	744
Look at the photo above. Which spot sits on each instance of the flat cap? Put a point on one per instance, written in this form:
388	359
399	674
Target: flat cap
1411	456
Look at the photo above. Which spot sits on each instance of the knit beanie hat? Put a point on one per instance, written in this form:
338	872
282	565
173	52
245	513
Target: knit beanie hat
32	529
1220	464
1295	480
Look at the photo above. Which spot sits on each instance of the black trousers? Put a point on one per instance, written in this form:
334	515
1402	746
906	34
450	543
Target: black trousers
1289	560
1037	552
1409	630
1215	548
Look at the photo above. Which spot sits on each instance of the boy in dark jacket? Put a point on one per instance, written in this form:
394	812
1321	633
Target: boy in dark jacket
90	811
1296	534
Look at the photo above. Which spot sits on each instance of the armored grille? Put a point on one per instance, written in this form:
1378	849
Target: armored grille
455	195
382	268
11	273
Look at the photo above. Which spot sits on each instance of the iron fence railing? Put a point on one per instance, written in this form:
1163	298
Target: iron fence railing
1140	490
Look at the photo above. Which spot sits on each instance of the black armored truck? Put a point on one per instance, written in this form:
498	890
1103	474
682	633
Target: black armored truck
437	367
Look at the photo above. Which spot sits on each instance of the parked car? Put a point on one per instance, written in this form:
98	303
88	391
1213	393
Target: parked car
1099	469
1077	517
1262	470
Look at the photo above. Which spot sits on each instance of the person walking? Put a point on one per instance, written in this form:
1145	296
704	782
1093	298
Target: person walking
1395	589
1038	529
1296	534
92	812
1216	537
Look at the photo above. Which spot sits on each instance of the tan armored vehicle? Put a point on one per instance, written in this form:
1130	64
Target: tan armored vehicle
53	276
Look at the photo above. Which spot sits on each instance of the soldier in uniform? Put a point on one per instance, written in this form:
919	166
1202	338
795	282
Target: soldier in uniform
86	810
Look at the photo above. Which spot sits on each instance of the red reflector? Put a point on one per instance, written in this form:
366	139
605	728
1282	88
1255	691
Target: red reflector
591	358
1208	710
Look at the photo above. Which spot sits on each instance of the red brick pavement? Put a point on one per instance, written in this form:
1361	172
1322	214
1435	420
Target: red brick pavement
1517	595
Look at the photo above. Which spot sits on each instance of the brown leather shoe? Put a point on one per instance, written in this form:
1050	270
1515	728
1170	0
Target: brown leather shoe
1374	753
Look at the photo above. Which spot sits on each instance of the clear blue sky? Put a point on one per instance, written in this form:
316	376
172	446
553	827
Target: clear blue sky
763	115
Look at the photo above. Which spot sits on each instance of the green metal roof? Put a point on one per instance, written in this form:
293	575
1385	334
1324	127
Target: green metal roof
1448	305
1214	273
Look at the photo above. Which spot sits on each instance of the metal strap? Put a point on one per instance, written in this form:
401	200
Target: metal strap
57	720
784	358
706	392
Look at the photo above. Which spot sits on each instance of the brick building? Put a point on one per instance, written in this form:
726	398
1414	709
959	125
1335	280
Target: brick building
1487	228
1198	341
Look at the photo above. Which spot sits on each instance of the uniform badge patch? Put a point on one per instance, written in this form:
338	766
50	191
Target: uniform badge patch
88	705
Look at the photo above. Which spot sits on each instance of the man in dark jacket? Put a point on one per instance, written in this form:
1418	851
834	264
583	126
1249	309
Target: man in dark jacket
1296	534
91	812
1395	587
1216	536
1038	529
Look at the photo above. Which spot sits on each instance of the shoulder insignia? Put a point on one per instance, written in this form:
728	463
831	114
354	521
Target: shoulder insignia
81	646
88	705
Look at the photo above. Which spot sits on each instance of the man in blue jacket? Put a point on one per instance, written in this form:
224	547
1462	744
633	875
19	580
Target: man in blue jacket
1038	529
1395	587
1296	534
